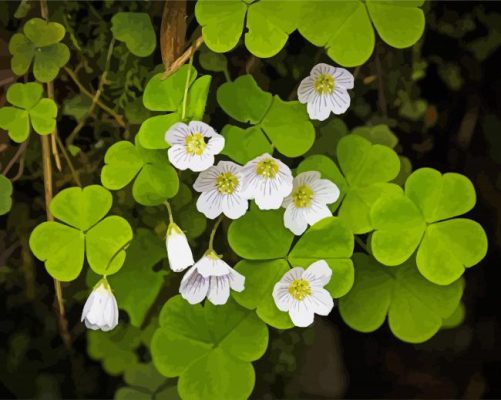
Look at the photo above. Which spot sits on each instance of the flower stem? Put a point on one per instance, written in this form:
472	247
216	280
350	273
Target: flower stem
213	233
186	87
361	243
169	211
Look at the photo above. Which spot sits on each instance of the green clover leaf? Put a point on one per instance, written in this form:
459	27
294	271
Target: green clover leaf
137	286
115	349
40	44
351	40
260	278
416	308
155	180
136	30
269	24
285	124
29	107
420	219
196	343
260	235
5	195
366	168
167	95
242	145
330	240
62	247
377	134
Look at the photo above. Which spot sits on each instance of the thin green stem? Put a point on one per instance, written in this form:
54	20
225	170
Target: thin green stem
186	87
169	211
213	233
361	243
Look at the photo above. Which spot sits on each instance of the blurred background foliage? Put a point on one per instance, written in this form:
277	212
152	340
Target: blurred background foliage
438	103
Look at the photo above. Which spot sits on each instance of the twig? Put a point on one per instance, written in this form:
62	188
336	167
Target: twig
186	87
184	57
53	136
95	98
21	149
47	178
66	156
118	118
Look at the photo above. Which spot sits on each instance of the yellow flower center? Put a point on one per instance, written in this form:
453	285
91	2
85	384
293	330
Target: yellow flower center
299	289
267	168
226	183
195	144
324	84
302	196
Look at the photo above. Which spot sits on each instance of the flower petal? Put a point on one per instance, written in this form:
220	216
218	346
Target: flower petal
318	274
294	220
210	204
206	180
179	157
343	78
319	107
194	287
237	281
201	127
212	265
316	212
176	134
301	315
234	206
322	68
321	301
326	191
282	297
215	144
178	251
306	90
201	162
338	101
307	178
219	289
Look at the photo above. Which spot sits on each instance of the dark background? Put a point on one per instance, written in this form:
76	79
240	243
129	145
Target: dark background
460	131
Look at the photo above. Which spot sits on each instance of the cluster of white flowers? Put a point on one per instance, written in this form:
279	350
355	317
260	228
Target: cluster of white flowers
227	188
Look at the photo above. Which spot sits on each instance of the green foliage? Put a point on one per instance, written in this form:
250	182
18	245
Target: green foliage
62	246
284	124
39	43
416	308
167	95
30	109
155	180
5	195
366	168
420	219
141	40
196	343
351	41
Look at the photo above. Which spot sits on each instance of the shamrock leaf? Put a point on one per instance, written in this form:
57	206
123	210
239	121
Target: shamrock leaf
366	168
420	219
243	145
137	286
136	30
260	235
377	134
62	247
29	107
351	40
145	383
40	44
167	95
329	240
115	349
260	278
196	343
416	308
285	123
155	180
269	24
5	195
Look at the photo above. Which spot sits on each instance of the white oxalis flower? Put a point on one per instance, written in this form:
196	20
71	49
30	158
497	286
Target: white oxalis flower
301	293
325	90
307	204
178	249
221	188
267	181
210	277
101	310
193	146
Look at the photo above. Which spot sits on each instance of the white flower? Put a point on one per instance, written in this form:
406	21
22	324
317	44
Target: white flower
221	187
178	249
210	277
302	293
101	309
325	90
307	204
267	181
193	146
